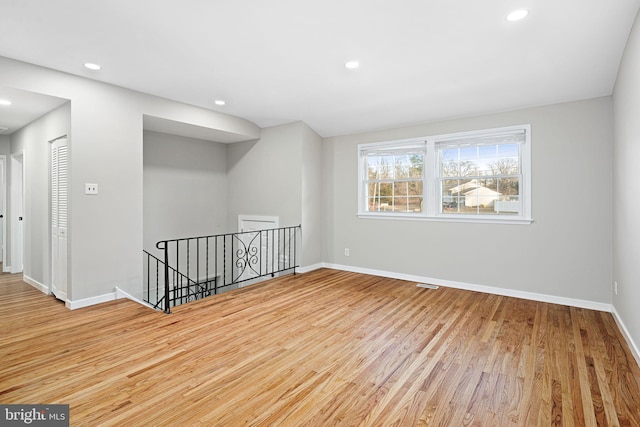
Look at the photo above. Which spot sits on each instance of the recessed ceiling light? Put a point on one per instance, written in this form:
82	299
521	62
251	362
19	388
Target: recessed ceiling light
352	65
92	66
517	15
5	102
219	102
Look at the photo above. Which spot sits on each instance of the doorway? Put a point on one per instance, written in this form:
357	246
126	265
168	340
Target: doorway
17	212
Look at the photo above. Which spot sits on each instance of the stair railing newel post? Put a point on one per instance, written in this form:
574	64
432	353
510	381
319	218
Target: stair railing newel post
163	245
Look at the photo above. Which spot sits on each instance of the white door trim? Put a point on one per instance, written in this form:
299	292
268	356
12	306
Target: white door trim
258	218
5	211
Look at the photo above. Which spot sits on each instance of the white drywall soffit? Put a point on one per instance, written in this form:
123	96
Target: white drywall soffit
172	127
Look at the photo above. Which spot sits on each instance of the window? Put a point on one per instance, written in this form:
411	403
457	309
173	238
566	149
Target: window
394	177
477	176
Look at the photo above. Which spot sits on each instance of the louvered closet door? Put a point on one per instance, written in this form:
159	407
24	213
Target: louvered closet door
59	216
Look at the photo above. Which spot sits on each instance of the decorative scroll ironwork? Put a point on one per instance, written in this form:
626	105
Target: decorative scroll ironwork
193	268
247	254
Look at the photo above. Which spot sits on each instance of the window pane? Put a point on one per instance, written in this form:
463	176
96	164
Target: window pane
509	201
449	162
385	188
407	188
399	196
416	166
407	204
372	205
415	204
490	183
373	167
378	196
468	160
486	157
468	196
508	205
450	194
449	168
508	150
415	188
385	167
400	188
373	189
508	186
459	162
507	160
379	167
380	204
505	166
401	167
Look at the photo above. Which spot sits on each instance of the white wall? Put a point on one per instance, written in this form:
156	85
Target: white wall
626	204
34	139
5	144
280	175
106	231
311	202
264	176
566	252
185	188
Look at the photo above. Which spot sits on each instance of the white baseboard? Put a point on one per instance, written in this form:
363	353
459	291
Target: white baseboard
627	336
592	305
72	305
39	286
309	268
123	294
81	303
86	302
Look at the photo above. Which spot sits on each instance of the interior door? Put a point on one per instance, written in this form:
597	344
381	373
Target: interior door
59	216
256	246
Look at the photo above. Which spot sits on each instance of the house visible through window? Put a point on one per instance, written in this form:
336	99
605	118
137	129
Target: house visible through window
483	175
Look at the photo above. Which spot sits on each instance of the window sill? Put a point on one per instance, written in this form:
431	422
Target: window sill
446	218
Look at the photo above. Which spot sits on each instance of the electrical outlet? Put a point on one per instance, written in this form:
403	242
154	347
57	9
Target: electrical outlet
615	287
90	188
346	251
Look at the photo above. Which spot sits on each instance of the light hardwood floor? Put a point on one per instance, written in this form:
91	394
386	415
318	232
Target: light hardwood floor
319	349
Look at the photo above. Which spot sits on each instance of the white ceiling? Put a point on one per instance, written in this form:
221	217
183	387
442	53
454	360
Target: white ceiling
277	61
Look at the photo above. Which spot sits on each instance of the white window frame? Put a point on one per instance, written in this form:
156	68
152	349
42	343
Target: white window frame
432	200
417	144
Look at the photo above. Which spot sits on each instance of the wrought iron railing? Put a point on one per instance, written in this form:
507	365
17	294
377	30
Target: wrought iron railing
192	268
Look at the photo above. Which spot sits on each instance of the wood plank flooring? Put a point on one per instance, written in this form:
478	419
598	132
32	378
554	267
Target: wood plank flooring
319	349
